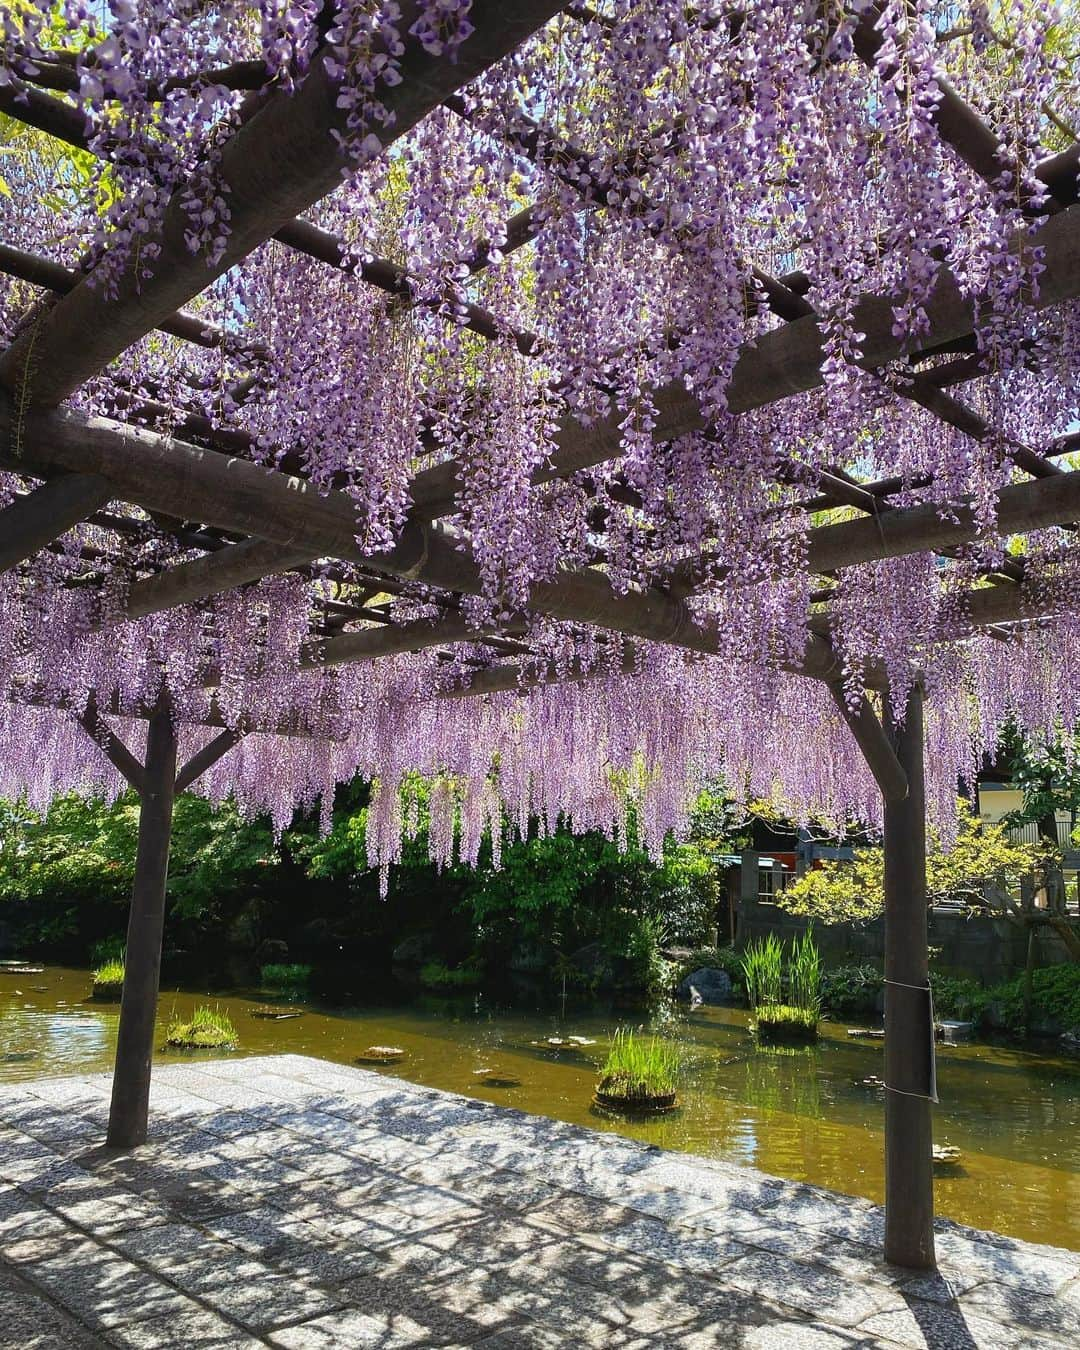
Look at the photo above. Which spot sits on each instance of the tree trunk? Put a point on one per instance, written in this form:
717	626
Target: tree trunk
138	1008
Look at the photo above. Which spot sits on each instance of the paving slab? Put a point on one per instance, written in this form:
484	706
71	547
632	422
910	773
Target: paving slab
281	1201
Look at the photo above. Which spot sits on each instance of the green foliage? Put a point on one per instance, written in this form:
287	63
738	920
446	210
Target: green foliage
804	975
285	976
1047	772
960	997
785	1019
436	975
1055	997
785	995
111	972
851	989
208	1029
763	971
839	892
638	1069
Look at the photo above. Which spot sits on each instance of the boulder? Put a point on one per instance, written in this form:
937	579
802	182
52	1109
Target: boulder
707	985
272	951
415	950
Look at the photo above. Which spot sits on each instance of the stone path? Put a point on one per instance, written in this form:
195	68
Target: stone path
289	1202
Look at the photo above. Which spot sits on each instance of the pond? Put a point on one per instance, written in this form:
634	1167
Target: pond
808	1114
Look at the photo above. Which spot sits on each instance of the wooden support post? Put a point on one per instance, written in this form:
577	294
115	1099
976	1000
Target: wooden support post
138	1008
909	1182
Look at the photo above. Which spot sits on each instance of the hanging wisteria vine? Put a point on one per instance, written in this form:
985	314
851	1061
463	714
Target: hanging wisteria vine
623	206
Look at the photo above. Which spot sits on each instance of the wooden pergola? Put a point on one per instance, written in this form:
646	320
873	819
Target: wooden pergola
243	522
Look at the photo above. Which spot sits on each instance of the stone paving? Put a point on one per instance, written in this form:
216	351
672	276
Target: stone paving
289	1202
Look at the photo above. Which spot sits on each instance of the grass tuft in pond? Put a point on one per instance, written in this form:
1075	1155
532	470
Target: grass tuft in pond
785	995
108	978
208	1029
639	1069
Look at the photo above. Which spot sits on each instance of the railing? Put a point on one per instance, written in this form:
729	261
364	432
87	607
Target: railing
1029	834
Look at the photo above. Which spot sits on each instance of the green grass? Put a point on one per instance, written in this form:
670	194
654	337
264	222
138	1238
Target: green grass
209	1029
108	978
638	1069
436	975
285	976
784	1021
785	994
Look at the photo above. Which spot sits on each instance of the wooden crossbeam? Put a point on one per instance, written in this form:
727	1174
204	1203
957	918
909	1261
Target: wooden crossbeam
206	758
170	476
234	565
782	363
33	521
271	170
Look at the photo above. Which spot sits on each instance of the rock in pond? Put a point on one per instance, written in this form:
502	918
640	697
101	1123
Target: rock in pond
381	1054
707	985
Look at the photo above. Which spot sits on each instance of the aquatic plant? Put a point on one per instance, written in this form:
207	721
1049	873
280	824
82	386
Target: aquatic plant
804	975
785	995
285	976
637	1069
108	978
208	1029
763	970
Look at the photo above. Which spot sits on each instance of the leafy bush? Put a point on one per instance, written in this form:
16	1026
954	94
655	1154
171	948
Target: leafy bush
208	1029
960	997
285	976
638	1069
1055	997
436	975
851	989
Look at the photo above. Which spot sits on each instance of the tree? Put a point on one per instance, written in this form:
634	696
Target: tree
982	862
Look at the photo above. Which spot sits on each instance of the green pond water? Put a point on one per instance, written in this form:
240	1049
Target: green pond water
805	1114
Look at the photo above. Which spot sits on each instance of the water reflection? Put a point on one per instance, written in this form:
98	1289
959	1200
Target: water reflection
812	1113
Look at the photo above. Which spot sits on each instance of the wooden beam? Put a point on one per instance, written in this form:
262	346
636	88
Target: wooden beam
271	170
167	475
877	749
782	363
234	565
916	529
110	745
33	521
371	643
205	758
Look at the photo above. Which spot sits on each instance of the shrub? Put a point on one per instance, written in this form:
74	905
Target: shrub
285	976
436	975
108	978
638	1069
851	989
1055	997
209	1029
960	997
